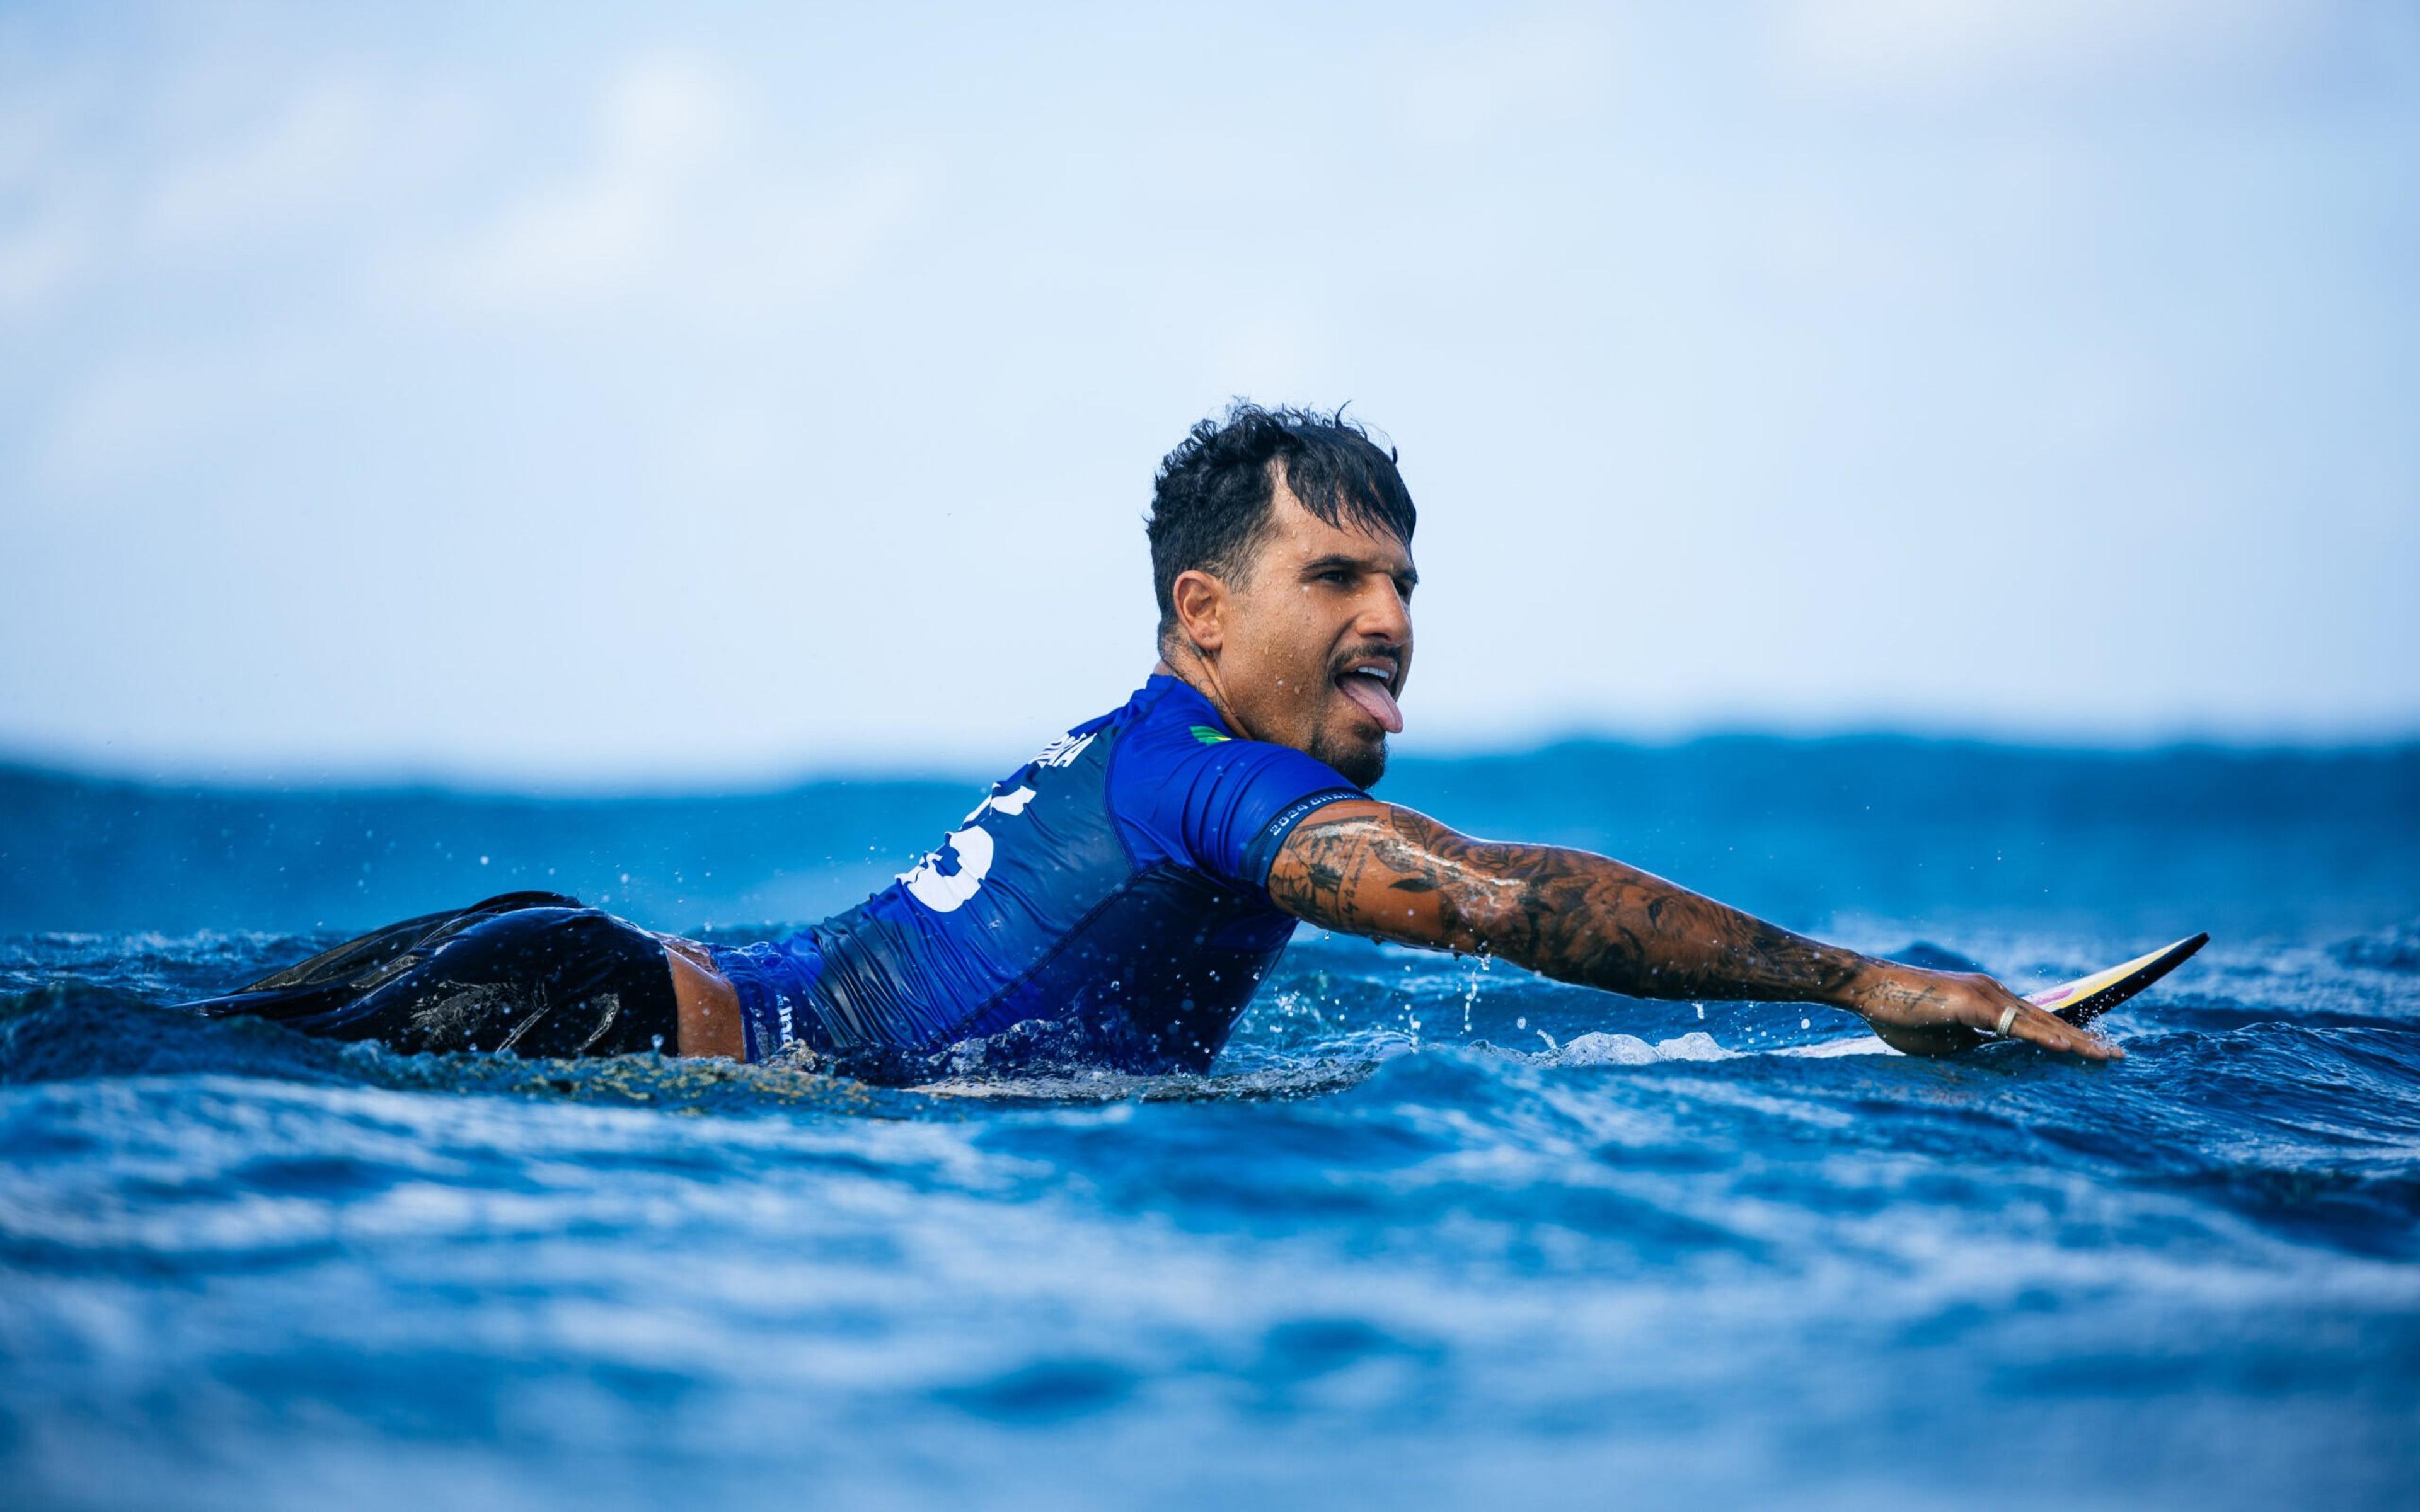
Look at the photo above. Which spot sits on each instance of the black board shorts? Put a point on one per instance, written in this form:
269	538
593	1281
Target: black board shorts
534	973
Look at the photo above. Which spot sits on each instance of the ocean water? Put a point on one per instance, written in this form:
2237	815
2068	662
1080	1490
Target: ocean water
1433	1232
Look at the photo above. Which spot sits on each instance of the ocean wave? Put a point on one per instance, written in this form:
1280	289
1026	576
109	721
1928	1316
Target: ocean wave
1428	1231
2397	950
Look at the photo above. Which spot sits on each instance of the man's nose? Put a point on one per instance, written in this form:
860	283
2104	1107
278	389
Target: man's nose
1384	615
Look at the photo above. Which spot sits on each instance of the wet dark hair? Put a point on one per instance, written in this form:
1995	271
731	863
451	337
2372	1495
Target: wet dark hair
1210	503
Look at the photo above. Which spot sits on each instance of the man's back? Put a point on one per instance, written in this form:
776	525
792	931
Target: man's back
1114	886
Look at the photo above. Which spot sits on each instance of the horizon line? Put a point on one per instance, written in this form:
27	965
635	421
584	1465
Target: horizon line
471	781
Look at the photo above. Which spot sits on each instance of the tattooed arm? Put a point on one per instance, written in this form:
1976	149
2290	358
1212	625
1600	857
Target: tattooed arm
1371	868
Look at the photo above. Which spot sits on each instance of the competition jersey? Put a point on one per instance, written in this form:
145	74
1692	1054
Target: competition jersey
1115	886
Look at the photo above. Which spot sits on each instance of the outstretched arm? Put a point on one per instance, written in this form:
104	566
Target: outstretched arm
1371	868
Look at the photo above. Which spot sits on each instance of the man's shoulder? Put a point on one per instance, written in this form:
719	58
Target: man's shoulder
1170	734
1163	712
1167	745
1171	710
1082	741
1177	752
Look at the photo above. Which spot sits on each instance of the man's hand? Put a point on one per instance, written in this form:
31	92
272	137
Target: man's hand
1939	1014
1371	868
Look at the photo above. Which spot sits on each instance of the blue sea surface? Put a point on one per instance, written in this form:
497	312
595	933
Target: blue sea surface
1433	1232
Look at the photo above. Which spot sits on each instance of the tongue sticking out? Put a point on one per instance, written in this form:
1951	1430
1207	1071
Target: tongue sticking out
1373	696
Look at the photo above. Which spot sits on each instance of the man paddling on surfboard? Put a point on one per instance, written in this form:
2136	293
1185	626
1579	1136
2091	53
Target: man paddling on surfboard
1125	893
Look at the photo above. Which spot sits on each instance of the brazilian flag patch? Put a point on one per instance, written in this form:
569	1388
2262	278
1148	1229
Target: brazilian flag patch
1209	736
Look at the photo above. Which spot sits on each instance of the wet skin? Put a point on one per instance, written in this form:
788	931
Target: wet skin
1321	605
706	1004
1375	868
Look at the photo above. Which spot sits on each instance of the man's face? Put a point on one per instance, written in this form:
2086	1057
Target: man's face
1316	640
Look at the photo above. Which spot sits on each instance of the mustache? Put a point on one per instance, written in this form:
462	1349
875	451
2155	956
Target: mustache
1392	655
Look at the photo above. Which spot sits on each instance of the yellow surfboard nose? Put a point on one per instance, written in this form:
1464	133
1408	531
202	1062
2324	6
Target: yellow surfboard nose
2086	998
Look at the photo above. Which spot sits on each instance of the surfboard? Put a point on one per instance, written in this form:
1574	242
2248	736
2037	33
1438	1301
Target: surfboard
2087	999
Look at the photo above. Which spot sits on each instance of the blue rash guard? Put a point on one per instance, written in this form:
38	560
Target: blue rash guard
1115	886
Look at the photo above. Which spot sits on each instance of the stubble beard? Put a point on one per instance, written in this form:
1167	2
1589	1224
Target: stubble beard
1360	765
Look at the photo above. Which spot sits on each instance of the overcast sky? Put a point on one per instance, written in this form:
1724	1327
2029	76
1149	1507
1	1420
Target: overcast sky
599	397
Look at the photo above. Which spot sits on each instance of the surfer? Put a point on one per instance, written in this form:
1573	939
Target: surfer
1123	895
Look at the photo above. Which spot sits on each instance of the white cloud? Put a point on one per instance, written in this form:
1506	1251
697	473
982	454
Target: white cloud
312	153
1932	49
48	221
605	233
679	206
241	173
39	259
135	414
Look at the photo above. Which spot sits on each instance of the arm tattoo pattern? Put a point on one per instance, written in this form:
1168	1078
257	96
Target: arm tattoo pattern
1377	870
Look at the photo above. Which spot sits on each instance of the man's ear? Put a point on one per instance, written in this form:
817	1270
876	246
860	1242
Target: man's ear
1201	603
